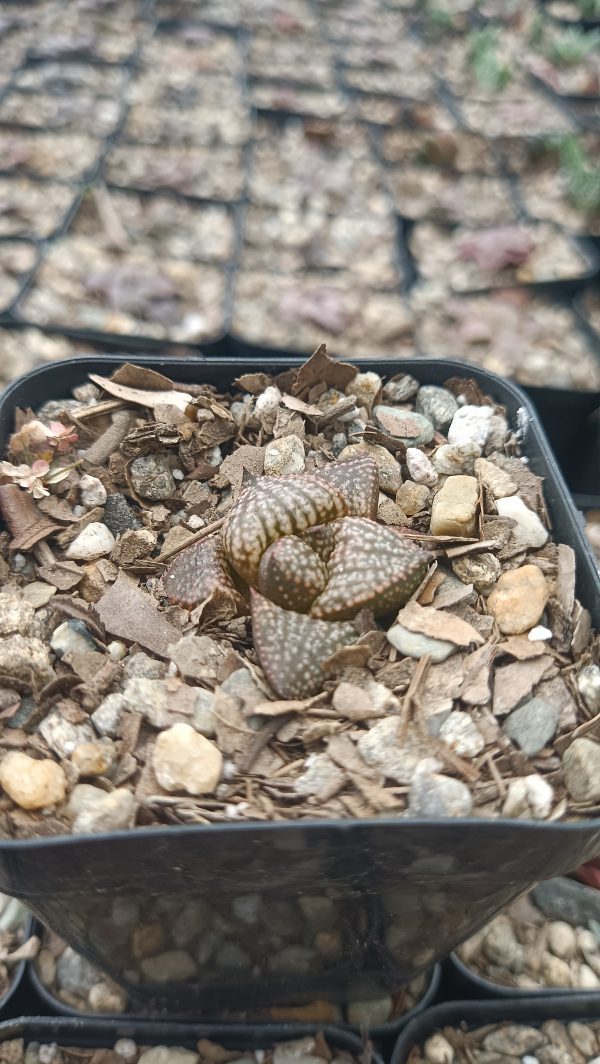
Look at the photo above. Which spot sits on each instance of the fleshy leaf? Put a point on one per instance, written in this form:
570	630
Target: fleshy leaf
272	508
371	566
291	574
291	647
357	479
197	573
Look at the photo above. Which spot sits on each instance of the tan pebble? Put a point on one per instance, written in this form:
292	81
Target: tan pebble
561	939
583	1038
495	479
93	759
519	599
147	939
581	766
587	979
46	967
329	943
586	940
412	498
454	510
107	997
438	1050
32	784
184	760
314	1012
556	972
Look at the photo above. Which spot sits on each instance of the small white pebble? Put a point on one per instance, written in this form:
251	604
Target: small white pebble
19	562
195	522
79	510
178	474
126	1048
172	669
539	632
116	649
176	519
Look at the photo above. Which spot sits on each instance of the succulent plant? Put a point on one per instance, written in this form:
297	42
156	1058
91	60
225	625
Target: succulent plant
314	557
292	647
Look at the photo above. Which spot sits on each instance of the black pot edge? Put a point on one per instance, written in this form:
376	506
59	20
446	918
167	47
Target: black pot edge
19	972
70	1031
485	988
479	1013
387	1030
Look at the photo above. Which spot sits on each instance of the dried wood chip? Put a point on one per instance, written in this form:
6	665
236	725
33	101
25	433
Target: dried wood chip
565	578
475	689
243	461
142	396
438	625
255	383
514	683
522	648
131	614
62	575
320	368
281	707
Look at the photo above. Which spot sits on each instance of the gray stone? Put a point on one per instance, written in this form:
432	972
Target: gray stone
420	467
198	657
581	766
412	428
71	636
480	570
381	747
415	645
143	666
293	959
94	541
453	458
527	797
74	973
514	1040
107	717
62	736
460	733
435	795
172	966
152	478
285	455
370	1013
119	516
230	955
470	424
588	685
532	725
366	387
16	613
338	442
437	404
113	811
398	391
92	490
321	775
241	685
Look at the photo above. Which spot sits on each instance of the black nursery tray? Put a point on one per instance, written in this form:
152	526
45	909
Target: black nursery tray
92	1034
471	1015
418	885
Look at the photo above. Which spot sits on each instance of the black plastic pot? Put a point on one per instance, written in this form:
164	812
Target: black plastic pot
476	1014
385	1033
475	985
82	1033
18	981
406	890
